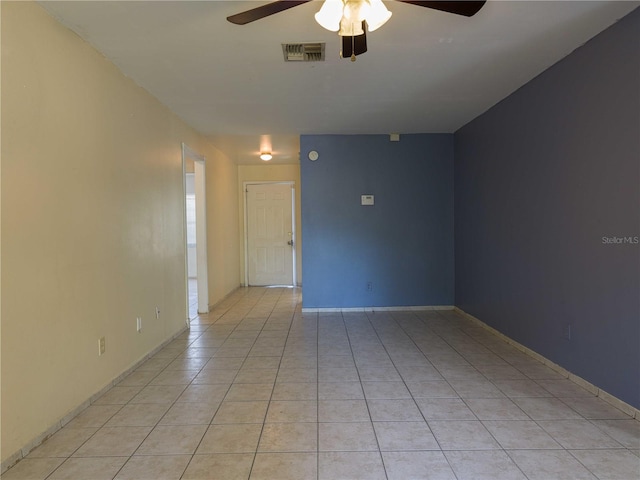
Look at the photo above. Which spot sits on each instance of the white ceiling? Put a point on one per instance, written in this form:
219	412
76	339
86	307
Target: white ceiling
425	71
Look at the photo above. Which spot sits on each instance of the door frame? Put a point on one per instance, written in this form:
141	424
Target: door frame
293	228
202	273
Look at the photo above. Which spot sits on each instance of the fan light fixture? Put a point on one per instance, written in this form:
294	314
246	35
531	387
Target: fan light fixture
266	156
346	16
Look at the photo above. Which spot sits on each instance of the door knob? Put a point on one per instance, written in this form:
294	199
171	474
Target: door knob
290	242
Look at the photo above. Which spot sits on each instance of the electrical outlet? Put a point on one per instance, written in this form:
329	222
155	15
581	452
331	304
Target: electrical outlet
369	286
139	324
102	346
157	313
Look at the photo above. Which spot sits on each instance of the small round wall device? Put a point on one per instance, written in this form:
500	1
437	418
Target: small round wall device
313	155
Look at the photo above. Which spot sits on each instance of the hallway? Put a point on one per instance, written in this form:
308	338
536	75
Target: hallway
258	390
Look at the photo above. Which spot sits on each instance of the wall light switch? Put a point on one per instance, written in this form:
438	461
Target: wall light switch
366	200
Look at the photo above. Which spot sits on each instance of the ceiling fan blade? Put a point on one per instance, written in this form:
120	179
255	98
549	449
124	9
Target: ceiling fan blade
262	11
354	45
461	7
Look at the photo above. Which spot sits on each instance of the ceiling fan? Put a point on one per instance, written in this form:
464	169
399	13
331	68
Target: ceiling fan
351	18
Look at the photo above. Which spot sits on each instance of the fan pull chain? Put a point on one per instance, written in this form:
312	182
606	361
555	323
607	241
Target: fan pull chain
353	46
353	49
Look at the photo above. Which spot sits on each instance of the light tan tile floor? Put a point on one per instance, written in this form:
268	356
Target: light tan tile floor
258	390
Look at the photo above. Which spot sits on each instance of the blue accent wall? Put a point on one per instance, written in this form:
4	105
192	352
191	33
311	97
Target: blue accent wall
540	179
402	245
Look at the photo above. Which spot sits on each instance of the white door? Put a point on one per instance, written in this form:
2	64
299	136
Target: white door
270	236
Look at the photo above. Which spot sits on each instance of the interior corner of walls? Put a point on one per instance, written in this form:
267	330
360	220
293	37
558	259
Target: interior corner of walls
533	279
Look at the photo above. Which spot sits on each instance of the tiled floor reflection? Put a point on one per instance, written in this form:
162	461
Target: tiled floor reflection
193	298
258	390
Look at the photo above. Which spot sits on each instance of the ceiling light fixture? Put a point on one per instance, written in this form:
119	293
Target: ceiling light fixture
346	16
266	156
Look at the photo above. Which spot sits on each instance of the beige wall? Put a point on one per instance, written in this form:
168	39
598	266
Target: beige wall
270	173
92	222
223	240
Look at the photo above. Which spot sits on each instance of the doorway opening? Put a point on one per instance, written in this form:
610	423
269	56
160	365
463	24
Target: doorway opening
192	258
195	233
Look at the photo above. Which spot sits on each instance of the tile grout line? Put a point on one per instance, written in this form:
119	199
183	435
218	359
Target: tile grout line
264	420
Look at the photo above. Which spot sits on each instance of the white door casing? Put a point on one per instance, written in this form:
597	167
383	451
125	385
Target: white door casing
270	235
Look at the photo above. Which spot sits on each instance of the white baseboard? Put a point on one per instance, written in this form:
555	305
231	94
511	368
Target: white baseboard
595	390
378	309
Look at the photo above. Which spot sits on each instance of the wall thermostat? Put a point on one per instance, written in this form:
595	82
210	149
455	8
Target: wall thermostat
366	200
313	155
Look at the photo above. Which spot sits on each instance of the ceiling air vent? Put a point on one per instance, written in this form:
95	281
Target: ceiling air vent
303	52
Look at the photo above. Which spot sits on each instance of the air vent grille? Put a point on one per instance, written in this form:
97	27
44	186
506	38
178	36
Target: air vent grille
303	52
